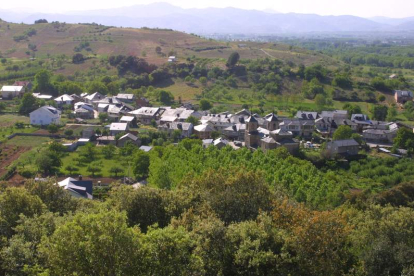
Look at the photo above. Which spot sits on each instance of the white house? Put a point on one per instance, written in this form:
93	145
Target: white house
172	59
116	128
45	115
128	98
94	97
77	188
64	100
42	97
10	92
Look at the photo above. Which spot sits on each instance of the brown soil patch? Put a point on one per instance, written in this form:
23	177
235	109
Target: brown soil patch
8	155
42	131
16	180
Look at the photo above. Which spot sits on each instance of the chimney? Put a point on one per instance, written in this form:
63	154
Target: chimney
80	177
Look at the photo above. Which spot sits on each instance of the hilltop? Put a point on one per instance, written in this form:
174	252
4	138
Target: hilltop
218	20
52	39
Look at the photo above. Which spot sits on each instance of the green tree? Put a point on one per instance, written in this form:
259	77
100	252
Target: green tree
233	59
227	192
379	112
52	128
54	197
88	151
312	88
135	202
170	252
343	81
392	113
103	117
106	244
68	132
48	162
28	104
115	170
194	120
320	100
13	203
69	87
203	81
78	58
205	104
93	169
343	132
57	148
21	256
404	140
2	107
255	247
141	163
71	169
97	86
383	240
108	151
165	97
352	109
43	83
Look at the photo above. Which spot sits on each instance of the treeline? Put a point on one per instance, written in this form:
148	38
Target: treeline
225	221
378	60
361	52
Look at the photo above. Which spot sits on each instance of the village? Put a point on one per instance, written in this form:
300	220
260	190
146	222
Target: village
124	114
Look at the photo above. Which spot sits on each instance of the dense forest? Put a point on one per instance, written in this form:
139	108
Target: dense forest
217	212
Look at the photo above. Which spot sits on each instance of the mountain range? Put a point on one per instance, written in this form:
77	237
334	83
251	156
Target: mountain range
218	20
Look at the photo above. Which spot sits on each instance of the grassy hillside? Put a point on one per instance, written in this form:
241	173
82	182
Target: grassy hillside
55	39
25	49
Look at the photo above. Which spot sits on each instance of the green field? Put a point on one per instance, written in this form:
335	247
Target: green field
99	160
28	141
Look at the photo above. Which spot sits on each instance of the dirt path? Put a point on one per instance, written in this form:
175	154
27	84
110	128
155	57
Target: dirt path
267	53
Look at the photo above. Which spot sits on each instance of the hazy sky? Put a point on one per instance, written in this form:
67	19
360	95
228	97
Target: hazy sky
364	8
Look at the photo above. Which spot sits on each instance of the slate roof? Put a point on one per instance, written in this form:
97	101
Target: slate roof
269	140
220	141
401	93
307	115
129	136
83	188
203	128
271	118
251	119
281	132
177	125
125	96
344	143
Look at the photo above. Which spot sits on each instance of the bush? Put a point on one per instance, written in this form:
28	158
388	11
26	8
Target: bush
27	173
53	128
68	132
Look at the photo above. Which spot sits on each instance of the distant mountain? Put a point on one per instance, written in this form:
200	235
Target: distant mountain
218	20
407	26
391	21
